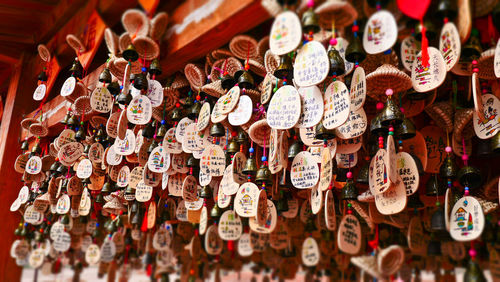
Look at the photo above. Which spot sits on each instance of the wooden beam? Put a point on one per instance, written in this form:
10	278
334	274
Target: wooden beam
187	41
9	150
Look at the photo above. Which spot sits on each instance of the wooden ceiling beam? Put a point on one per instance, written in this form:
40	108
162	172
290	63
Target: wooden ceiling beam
187	41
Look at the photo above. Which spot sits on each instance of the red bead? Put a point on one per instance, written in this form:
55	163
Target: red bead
355	28
475	70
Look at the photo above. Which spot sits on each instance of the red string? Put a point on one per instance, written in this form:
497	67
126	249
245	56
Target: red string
425	44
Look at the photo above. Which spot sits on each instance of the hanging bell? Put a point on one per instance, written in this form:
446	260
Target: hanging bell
376	127
25	145
217	130
155	67
337	64
152	146
472	49
295	148
242	137
130	54
448	169
414	202
206	192
418	162
405	130
162	131
322	133
391	114
349	191
140	81
430	30
495	143
446	9
285	69
99	199
194	111
310	22
245	80
73	121
42	76
469	176
188	101
106	188
148	131
66	118
114	88
362	176
264	177
176	114
227	82
438	221
76	69
483	148
215	212
80	134
124	99
355	52
433	187
250	167
105	76
473	273
192	162
62	169
282	204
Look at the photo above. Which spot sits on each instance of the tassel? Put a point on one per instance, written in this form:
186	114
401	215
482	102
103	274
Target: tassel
425	44
144	226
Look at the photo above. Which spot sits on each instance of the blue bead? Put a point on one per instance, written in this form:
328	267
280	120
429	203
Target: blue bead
163	122
264	158
251	150
387	52
284	82
144	69
121	87
97	224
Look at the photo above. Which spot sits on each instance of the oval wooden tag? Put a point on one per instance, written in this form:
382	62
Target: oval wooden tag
213	243
101	100
349	146
408	172
467	219
68	86
180	130
244	247
311	64
223	200
377	175
123	176
267	91
284	108
326	170
230	227
330	215
310	252
159	160
337	105
140	110
227	184
279	238
36	258
496	59
96	153
229	101
62	242
425	79
84	169
293	208
489	125
70	153
34	165
143	192
381	32
239	160
203	117
316	199
391	160
346	160
108	251
170	142
202	228
286	33
354	126
155	93
409	50
449	45
435	142
125	146
270	220
189	189
417	242
242	113
213	161
112	125
304	171
349	235
417	147
312	106
358	89
40	92
341	46
217	115
393	200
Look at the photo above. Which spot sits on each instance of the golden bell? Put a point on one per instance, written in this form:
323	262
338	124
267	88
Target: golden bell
405	130
42	76
448	169
245	80
473	273
105	76
282	204
250	166
148	131
66	118
206	192
155	67
294	149
152	146
355	52
391	114
176	114
233	146
80	134
376	127
76	69
310	22
285	69
483	149
472	49
337	64
189	101
162	131
124	99
242	136
215	212
495	143
469	176
446	9
227	82
99	199
217	130
349	191
130	54
194	111
264	176
322	133
433	187
106	188
430	31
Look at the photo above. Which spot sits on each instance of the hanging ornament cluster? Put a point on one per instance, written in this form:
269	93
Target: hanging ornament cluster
321	145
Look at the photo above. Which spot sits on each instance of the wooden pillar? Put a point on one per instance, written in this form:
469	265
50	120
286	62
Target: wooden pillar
18	101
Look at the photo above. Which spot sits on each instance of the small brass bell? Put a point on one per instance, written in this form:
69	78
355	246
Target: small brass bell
189	101
66	118
76	69
250	166
405	130
152	146
438	220
310	22
99	199
322	133
176	114
495	143
376	127
73	121
472	49
264	176
469	176
391	114
217	130
337	64
285	69
295	148
245	80
155	67
430	31
473	273
42	76
162	131
227	82
414	202
433	187
233	146
447	9
140	81
148	131
242	136
362	176
194	111
62	169
105	76
136	219
54	166
215	212
80	134
282	204
130	54
124	99
355	52
65	219
192	161
106	188
206	192
448	169
25	145
36	149
349	191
